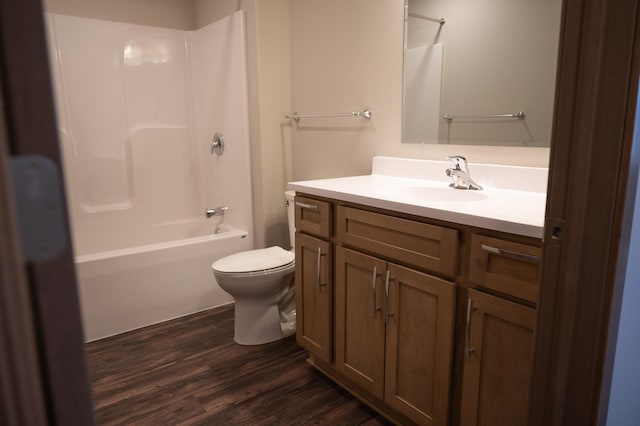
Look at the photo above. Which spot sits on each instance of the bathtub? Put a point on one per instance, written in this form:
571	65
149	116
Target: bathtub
129	288
138	167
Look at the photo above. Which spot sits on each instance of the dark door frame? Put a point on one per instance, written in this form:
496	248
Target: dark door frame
597	86
21	399
42	295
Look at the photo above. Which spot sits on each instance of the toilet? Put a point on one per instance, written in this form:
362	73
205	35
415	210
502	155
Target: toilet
261	283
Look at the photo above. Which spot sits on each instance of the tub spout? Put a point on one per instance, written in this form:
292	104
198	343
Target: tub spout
218	211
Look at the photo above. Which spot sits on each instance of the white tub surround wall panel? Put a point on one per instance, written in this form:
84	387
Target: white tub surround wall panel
165	182
138	107
96	126
133	115
219	76
111	88
421	93
155	74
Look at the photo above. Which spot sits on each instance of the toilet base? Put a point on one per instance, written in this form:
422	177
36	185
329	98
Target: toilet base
256	323
264	299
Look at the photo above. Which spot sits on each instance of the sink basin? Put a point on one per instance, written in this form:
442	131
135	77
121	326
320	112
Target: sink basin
434	194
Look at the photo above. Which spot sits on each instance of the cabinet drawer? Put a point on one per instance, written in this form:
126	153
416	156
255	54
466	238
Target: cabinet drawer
313	216
428	247
504	266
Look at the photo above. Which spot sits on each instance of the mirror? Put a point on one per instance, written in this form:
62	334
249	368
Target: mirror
485	76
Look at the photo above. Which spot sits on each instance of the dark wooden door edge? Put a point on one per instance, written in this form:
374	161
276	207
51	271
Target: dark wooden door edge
592	133
21	399
628	182
30	118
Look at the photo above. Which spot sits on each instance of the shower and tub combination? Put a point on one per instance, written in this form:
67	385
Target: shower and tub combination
138	108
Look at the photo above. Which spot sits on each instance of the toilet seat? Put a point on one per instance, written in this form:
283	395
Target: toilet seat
254	262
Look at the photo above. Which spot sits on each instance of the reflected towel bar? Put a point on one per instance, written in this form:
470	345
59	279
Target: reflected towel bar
441	21
365	113
519	115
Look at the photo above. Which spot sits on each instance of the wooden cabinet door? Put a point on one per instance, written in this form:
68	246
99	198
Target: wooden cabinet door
314	296
497	369
419	345
359	314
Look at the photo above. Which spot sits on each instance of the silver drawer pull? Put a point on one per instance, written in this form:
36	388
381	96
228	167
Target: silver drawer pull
387	315
373	290
320	284
511	254
467	332
306	206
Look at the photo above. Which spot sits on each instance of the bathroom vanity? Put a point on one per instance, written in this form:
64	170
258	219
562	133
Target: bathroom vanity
420	299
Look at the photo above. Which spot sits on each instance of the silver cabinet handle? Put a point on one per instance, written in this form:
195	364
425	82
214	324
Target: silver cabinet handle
386	299
373	290
306	206
511	254
320	254
467	334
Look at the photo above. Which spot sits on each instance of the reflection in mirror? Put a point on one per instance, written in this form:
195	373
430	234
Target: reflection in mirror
489	61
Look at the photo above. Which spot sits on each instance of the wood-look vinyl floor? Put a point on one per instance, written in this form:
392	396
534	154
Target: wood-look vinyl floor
189	371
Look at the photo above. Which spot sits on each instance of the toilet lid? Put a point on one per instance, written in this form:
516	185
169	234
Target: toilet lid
254	260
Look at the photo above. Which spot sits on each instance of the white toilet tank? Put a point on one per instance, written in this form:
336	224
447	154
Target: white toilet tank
291	215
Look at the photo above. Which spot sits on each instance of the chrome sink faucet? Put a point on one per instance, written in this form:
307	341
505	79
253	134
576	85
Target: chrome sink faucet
460	174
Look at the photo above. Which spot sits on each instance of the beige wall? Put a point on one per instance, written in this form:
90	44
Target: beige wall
346	55
178	14
208	11
271	134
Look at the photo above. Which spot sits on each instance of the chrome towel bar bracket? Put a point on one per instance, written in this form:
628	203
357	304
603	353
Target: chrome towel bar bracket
520	115
440	21
365	113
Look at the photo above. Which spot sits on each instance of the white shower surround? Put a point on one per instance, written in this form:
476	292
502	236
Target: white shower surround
421	93
137	108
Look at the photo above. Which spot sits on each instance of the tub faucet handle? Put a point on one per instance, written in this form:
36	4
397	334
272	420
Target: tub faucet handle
218	211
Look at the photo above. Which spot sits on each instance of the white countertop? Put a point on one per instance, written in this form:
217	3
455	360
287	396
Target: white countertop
415	187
